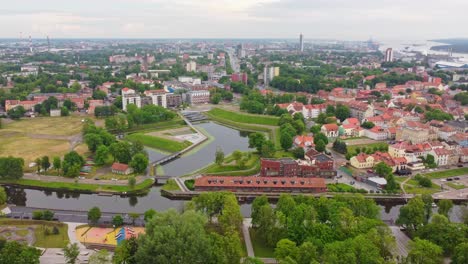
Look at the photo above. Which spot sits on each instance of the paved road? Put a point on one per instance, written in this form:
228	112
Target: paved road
246	224
401	241
20	212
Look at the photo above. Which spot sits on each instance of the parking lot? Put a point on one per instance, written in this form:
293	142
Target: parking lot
456	180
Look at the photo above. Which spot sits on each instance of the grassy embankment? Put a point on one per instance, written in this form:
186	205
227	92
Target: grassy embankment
140	187
158	142
42	240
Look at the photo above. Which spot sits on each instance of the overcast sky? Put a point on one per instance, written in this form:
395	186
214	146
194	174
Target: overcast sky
316	19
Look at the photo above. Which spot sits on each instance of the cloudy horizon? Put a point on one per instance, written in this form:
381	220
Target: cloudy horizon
159	19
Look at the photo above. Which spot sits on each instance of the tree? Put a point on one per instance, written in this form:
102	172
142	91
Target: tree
428	202
3	196
149	214
256	140
231	217
382	169
45	163
100	257
64	111
117	220
102	153
47	215
139	162
11	168
17	112
72	163
444	207
38	162
342	112
368	125
71	253
57	163
286	140
320	136
460	255
298	153
285	248
121	151
94	214
424	252
412	215
131	182
13	252
93	141
306	253
320	146
134	217
175	238
125	252
252	260
268	149
219	156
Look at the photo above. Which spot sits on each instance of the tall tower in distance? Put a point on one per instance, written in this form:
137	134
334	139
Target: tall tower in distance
389	55
301	43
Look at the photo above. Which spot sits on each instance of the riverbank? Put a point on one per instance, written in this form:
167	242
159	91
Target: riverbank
250	196
139	188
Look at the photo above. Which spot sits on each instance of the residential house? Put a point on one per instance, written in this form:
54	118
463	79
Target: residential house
330	130
441	156
377	133
305	142
120	168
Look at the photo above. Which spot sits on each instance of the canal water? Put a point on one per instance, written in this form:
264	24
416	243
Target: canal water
227	139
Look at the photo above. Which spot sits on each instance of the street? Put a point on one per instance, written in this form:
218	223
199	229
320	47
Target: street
20	212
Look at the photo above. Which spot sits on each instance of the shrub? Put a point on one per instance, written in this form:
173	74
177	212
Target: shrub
55	230
37	215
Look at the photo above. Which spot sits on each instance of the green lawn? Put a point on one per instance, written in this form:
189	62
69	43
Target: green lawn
352	149
159	143
81	186
215	168
259	247
190	184
245	118
456	186
171	185
447	173
51	241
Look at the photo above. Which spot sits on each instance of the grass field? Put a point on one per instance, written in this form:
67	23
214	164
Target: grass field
51	241
447	173
245	118
352	149
60	126
30	148
259	247
45	241
171	124
159	143
80	186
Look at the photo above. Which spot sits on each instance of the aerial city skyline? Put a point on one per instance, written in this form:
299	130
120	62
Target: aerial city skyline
234	132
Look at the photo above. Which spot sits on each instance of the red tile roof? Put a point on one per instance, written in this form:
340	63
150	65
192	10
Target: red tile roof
119	166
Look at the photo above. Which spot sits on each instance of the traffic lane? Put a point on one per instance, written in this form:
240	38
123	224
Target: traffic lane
346	179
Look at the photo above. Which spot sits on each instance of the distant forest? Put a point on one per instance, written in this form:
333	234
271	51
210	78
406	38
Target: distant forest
457	45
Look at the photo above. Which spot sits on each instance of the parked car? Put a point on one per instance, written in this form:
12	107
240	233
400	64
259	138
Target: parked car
456	178
449	179
370	171
460	165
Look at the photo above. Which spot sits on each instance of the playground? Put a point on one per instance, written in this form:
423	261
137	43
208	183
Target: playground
107	236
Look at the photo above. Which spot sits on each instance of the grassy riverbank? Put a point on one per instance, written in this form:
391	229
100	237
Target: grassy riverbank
68	186
244	118
158	142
